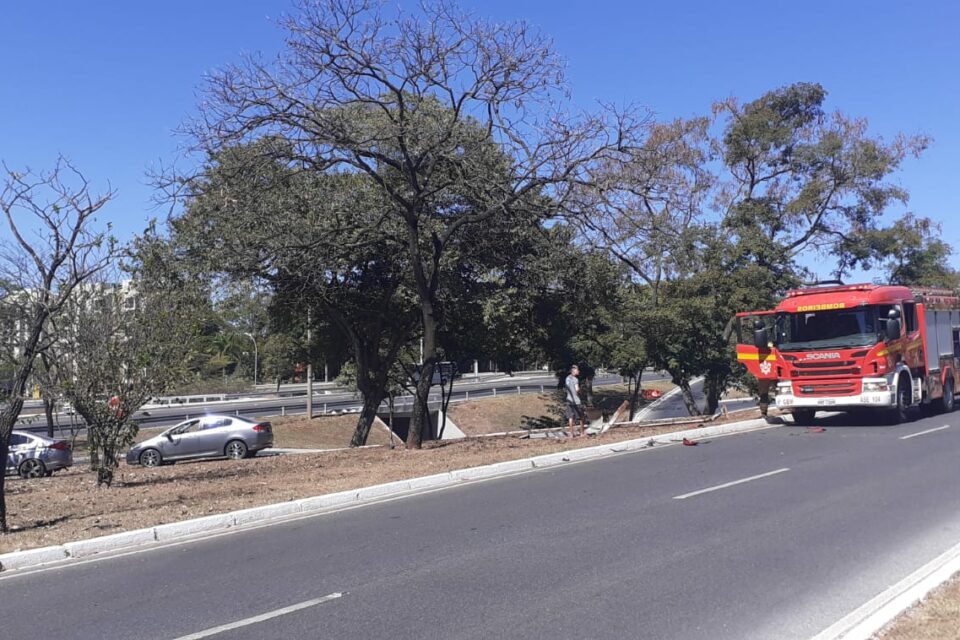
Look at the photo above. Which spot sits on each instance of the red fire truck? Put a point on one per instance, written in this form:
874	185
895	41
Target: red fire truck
851	347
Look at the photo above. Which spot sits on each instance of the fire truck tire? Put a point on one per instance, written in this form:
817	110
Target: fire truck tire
804	417
947	401
901	412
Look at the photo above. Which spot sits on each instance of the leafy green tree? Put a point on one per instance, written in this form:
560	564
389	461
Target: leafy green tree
224	348
629	353
710	225
243	308
455	121
800	180
323	242
279	354
910	252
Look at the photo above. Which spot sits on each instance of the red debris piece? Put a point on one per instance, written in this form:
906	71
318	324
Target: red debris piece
689	443
816	430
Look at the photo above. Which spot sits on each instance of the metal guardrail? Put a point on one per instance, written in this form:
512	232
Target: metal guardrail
338	407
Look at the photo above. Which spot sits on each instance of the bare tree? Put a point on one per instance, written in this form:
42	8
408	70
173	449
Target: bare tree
52	248
642	207
123	339
458	121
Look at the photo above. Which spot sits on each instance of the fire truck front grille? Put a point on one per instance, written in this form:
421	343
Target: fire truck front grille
826	369
826	388
852	371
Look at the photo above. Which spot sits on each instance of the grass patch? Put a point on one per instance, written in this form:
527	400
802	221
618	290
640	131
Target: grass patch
936	618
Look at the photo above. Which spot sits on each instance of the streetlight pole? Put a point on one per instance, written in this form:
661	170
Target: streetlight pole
309	367
256	357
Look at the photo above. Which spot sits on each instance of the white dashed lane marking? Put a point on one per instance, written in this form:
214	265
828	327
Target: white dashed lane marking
731	484
260	618
923	433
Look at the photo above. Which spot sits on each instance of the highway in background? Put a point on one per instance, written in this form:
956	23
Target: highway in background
328	400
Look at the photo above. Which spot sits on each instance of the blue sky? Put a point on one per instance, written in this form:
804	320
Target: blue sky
106	83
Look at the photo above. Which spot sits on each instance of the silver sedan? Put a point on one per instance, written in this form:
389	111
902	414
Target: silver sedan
208	436
33	456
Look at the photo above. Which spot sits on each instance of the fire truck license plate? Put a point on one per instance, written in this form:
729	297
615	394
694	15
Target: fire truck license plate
826	401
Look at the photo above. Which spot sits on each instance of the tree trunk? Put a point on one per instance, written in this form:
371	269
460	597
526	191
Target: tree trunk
712	391
421	409
445	394
688	400
10	413
48	411
635	396
371	403
106	468
8	417
390	418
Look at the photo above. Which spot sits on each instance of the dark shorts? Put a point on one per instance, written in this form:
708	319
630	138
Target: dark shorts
574	411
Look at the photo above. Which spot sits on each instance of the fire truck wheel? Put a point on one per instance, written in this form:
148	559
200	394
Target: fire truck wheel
947	401
804	417
900	413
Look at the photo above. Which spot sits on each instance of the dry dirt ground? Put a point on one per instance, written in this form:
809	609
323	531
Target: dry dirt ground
68	506
936	618
529	411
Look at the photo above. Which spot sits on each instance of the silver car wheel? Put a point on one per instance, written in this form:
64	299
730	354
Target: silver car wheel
236	450
32	468
150	458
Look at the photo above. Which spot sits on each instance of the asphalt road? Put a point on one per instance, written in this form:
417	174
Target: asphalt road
333	402
625	547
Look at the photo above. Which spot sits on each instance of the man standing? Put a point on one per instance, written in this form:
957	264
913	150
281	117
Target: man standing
574	408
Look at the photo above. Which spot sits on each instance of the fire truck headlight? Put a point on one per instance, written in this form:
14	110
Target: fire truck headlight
875	386
784	389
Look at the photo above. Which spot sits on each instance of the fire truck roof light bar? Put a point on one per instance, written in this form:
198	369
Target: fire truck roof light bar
793	293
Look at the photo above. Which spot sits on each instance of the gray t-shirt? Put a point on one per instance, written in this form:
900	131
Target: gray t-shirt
571	384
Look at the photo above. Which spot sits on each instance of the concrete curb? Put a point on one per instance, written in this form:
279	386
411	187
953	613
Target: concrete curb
138	538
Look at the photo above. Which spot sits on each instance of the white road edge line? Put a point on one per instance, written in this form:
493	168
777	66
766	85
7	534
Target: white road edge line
730	484
923	433
871	617
264	616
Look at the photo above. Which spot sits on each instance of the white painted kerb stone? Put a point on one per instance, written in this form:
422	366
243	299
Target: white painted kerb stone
115	542
165	532
32	557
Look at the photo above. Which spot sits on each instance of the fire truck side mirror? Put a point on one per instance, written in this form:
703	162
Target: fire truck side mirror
893	325
761	340
893	329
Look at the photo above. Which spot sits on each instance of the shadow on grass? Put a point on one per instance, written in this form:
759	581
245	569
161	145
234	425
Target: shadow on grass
539	422
42	524
200	476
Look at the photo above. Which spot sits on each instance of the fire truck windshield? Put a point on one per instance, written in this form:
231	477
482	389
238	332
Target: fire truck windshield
838	329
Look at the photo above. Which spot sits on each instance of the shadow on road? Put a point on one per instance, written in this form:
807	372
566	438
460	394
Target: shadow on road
849	420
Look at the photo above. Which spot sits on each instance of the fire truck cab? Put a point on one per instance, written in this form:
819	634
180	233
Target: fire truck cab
848	347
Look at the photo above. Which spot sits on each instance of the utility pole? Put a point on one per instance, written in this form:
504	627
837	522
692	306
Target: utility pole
309	368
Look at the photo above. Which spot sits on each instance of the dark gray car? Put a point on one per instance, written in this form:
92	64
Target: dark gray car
208	436
33	456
